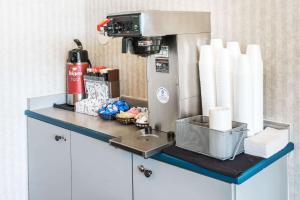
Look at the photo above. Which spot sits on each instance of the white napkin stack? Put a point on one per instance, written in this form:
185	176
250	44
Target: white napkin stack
266	143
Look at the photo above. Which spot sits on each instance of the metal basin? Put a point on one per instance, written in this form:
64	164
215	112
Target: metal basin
143	144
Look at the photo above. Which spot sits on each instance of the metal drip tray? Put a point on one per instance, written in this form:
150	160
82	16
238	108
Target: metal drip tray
143	144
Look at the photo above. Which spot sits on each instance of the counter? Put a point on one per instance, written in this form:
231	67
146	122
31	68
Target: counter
104	130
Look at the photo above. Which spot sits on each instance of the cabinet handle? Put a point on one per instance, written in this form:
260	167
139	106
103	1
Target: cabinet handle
60	138
141	168
147	172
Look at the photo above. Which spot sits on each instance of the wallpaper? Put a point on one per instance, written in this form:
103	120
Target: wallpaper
35	36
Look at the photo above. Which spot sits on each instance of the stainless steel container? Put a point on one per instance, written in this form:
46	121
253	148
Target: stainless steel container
193	134
77	65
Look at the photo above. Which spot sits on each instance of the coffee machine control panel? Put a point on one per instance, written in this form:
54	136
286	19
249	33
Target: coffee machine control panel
123	25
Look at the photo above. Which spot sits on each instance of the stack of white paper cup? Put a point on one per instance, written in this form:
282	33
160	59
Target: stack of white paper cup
256	64
234	48
234	53
224	87
243	108
233	80
217	46
220	119
207	79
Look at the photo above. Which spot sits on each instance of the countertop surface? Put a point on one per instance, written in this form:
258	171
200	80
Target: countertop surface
104	130
109	129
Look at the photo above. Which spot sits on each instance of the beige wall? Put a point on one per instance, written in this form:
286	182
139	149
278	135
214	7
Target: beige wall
274	24
35	36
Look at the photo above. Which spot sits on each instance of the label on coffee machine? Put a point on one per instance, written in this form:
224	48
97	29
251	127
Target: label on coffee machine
145	43
164	52
162	95
162	65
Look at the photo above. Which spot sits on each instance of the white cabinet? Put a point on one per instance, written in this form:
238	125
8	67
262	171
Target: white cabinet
99	171
49	161
170	182
269	184
65	165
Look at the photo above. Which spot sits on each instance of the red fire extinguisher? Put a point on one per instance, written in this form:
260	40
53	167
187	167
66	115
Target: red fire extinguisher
77	65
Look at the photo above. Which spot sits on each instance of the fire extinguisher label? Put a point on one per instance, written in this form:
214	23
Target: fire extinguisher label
75	74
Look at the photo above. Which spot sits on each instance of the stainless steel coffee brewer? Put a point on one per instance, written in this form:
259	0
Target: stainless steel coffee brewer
169	41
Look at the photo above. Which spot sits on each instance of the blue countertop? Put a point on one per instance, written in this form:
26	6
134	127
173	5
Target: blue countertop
166	158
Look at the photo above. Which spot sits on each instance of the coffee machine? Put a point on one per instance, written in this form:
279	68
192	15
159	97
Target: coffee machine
169	40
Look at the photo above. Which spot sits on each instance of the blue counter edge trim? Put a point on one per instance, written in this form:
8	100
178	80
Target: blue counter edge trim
163	157
241	179
264	163
84	131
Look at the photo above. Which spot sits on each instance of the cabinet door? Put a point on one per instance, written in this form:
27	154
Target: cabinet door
269	184
99	171
48	161
170	182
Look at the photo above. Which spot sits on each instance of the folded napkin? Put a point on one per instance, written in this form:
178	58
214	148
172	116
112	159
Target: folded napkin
267	142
